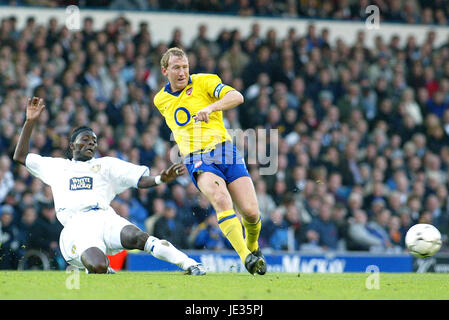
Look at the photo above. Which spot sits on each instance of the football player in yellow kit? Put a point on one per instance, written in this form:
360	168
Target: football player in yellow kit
193	106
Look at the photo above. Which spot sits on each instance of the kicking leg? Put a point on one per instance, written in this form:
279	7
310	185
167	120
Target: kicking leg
244	197
215	190
134	238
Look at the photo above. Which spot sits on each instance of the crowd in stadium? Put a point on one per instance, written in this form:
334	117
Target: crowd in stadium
412	12
363	132
403	11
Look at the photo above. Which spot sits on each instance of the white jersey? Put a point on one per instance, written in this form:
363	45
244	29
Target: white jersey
84	185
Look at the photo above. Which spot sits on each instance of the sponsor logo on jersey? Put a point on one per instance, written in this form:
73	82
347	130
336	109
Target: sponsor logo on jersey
81	183
198	164
185	116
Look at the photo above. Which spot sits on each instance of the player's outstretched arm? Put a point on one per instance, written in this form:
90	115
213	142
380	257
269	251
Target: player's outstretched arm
33	111
230	100
168	175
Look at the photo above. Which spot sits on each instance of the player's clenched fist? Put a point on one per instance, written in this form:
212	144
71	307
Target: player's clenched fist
203	115
34	108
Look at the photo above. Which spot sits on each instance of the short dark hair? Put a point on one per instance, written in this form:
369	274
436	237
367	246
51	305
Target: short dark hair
77	131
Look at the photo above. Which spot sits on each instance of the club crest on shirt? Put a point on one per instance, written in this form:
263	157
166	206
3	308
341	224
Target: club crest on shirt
189	91
96	168
73	249
80	183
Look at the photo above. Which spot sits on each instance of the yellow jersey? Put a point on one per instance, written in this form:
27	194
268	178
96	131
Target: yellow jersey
178	109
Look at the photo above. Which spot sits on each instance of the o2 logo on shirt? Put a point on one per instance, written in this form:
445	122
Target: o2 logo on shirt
81	183
184	118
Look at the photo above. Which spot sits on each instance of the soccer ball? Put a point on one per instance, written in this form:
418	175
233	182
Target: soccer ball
423	240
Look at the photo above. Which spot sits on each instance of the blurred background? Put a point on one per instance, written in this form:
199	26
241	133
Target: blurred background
362	115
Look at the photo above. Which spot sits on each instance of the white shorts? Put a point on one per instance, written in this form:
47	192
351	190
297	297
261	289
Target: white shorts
95	228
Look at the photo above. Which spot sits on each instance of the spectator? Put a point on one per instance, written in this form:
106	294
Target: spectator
274	232
296	226
137	212
262	64
350	102
279	189
44	236
378	227
183	207
325	228
438	217
410	106
27	221
394	231
202	209
93	80
12	203
414	206
10	240
436	104
170	228
350	170
237	59
359	236
355	202
158	209
339	217
207	235
395	203
6	177
376	207
265	201
336	188
312	204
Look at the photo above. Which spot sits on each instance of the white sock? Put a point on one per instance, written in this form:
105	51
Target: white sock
164	250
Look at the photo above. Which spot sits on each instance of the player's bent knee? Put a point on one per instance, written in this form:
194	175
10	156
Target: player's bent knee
141	239
132	237
250	214
222	201
98	268
94	260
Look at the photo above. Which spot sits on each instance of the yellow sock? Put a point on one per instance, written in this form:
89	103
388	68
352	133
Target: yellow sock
232	229
252	231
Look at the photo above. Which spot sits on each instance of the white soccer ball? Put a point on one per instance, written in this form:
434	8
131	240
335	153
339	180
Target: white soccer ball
423	240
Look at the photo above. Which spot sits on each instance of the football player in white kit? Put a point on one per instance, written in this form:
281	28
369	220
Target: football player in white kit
83	188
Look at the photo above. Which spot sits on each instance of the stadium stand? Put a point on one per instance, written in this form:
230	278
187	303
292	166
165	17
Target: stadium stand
402	11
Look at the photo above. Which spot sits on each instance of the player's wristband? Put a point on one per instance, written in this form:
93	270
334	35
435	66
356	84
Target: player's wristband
158	179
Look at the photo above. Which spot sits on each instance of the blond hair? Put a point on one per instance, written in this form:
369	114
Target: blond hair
171	52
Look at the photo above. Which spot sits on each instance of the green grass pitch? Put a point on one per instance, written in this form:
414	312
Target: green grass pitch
60	285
